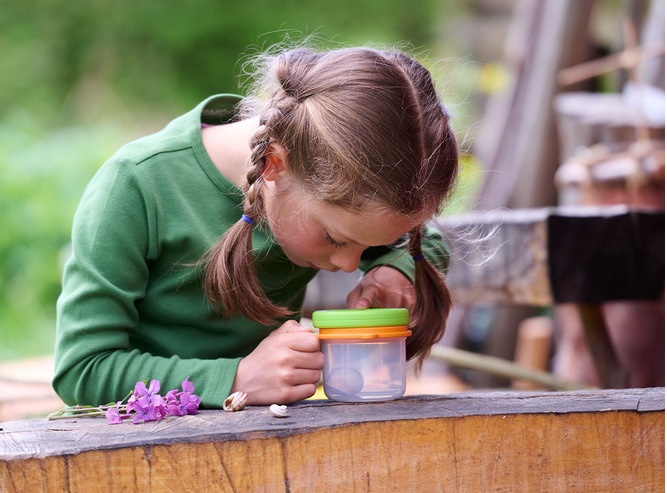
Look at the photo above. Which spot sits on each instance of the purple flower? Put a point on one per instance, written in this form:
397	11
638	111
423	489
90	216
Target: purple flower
188	404
151	410
182	403
113	414
146	404
144	414
147	394
142	397
188	386
159	406
173	403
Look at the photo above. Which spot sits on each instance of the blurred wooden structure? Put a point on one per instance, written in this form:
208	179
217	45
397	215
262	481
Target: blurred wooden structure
502	441
542	257
612	148
548	117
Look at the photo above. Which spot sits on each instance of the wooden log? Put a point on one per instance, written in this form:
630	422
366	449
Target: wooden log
586	441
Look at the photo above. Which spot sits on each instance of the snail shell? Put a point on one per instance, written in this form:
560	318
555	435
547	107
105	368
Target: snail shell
236	401
345	382
278	411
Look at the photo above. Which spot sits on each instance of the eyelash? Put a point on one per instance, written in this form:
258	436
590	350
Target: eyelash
331	241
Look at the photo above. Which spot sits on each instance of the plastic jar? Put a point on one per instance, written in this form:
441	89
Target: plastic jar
364	353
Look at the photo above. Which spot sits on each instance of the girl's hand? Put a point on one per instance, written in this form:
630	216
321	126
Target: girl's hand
284	368
383	287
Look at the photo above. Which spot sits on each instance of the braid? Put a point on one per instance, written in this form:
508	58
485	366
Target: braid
230	278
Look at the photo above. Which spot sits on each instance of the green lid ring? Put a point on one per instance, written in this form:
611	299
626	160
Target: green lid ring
369	317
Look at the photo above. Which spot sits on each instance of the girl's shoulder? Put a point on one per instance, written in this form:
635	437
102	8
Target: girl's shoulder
182	133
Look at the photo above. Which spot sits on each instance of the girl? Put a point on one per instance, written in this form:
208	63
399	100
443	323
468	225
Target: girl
192	247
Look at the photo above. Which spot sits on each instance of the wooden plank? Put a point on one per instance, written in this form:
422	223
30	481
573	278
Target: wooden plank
504	256
592	441
533	348
499	257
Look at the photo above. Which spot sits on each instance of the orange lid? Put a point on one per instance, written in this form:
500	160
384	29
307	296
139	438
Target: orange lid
364	332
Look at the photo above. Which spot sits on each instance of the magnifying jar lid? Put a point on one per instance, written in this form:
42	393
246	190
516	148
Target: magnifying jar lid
369	317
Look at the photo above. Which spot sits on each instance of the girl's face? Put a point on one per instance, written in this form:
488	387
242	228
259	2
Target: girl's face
322	236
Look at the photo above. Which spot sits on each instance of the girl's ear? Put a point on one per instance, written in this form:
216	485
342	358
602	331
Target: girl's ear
275	161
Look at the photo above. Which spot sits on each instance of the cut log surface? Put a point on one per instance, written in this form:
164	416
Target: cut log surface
479	441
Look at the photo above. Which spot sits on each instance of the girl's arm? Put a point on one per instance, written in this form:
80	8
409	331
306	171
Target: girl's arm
104	343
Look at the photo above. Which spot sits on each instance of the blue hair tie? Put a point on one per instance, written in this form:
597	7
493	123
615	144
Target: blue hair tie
247	219
418	257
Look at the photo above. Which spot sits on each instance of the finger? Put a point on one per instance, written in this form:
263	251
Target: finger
303	376
362	303
290	326
301	392
367	297
297	327
308	361
303	342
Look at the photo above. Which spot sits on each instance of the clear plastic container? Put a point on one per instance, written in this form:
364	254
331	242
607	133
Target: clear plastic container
364	353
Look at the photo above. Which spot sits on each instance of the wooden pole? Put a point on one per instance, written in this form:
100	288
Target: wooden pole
500	367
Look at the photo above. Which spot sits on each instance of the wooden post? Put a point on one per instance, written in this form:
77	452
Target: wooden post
533	348
586	441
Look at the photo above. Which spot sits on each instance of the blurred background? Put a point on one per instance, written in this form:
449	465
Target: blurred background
79	81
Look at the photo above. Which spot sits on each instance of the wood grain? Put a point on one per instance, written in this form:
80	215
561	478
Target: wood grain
589	441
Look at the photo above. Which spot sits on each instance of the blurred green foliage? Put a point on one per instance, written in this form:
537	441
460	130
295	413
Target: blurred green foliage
42	174
148	52
78	80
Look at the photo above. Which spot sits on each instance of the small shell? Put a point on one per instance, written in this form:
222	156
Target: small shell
344	382
278	411
236	401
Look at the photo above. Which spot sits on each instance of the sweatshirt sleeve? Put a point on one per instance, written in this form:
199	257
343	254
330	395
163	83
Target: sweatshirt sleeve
397	256
96	358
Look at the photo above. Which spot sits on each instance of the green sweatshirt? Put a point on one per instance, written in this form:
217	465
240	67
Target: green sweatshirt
132	305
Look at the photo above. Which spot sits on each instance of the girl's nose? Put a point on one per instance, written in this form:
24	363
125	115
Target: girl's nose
346	259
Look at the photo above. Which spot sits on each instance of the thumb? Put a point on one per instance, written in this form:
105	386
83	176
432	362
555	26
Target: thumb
291	326
362	303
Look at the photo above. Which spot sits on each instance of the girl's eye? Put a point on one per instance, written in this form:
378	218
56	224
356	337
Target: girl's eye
333	242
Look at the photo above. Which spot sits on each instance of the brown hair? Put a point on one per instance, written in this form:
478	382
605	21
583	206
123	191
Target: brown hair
361	126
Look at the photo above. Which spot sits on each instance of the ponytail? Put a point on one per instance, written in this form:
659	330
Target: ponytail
432	305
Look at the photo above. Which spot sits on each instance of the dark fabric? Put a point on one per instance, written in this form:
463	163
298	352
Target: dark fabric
595	259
